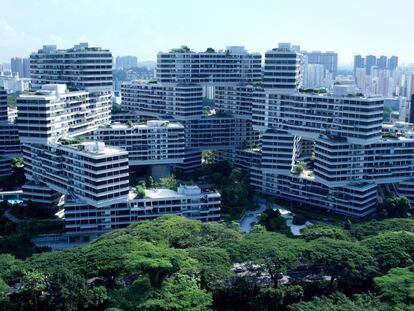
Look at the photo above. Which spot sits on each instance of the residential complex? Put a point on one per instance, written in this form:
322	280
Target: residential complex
320	149
73	154
337	135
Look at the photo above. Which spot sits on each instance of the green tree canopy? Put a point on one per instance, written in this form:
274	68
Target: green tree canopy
392	249
397	286
344	261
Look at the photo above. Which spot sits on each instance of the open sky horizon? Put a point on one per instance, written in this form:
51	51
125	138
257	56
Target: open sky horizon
143	28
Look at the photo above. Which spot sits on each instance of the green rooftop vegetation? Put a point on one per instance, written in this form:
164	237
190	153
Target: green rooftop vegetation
314	91
299	167
355	95
389	135
73	141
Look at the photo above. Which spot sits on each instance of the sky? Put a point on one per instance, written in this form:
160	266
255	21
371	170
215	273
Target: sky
143	28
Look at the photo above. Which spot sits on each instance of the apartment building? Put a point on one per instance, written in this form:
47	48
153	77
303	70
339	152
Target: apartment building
148	143
188	201
81	67
71	152
162	100
283	68
229	66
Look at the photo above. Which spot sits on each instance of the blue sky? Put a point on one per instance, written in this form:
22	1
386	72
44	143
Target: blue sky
143	28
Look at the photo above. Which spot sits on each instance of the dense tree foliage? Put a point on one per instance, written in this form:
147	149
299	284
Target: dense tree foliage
233	185
339	302
325	231
272	220
394	207
173	263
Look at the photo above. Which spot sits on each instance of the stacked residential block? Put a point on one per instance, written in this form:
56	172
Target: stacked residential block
323	151
184	79
73	154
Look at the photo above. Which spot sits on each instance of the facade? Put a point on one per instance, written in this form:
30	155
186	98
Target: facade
81	67
393	63
53	111
9	137
151	143
359	62
233	65
163	100
328	59
126	62
316	76
349	166
370	61
348	163
184	103
283	68
20	67
189	201
70	150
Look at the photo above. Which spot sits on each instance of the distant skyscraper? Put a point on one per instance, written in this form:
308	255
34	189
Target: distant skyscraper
382	62
328	59
393	63
370	61
314	76
126	62
20	66
3	105
359	62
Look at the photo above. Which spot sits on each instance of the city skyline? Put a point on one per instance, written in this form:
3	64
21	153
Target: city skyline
153	28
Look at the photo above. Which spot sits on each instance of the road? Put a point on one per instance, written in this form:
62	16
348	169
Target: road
250	218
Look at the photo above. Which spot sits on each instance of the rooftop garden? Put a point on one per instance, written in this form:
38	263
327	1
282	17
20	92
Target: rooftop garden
68	142
389	135
314	91
355	95
299	168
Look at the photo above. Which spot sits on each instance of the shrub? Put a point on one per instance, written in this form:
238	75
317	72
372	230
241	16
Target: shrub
299	220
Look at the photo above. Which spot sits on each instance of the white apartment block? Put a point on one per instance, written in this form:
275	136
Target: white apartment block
148	143
86	221
53	112
81	67
233	65
70	150
283	68
155	100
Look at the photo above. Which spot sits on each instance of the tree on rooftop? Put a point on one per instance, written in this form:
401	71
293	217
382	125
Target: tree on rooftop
169	182
140	191
299	167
